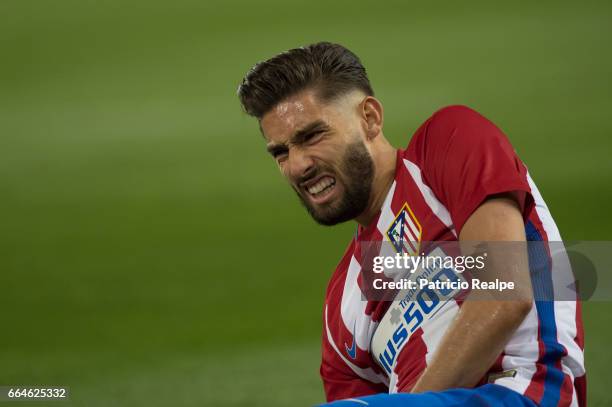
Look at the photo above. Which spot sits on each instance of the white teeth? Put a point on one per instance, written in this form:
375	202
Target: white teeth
324	183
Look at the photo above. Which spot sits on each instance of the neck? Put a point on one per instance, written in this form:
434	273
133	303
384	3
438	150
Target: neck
384	173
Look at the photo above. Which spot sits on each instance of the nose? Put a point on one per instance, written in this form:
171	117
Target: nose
300	163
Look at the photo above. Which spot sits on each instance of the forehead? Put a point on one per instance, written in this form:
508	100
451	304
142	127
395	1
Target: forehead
294	113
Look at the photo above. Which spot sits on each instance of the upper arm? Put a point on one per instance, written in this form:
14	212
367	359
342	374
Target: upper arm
498	218
497	226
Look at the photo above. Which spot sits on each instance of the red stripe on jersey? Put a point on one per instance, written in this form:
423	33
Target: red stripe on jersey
579	328
410	242
567	390
581	390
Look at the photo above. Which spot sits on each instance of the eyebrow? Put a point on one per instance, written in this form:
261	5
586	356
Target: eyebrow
298	137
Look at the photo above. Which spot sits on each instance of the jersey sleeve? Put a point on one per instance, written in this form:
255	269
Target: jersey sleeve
465	159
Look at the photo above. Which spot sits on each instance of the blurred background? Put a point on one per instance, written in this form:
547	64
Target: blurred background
151	254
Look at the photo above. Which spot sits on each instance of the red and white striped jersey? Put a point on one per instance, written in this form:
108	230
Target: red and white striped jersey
454	161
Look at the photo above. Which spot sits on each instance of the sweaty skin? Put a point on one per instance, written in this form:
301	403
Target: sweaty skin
353	118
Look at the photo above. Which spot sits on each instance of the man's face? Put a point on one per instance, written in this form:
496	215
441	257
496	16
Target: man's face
320	149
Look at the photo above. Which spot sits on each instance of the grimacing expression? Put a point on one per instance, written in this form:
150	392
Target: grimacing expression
320	149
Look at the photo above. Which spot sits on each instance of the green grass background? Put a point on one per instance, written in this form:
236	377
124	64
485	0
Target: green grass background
150	252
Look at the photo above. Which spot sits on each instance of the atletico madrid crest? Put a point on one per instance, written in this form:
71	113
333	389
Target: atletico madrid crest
405	232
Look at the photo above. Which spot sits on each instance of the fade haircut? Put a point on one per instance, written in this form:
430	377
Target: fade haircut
330	69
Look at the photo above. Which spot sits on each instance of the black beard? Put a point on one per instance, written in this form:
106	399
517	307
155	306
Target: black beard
358	172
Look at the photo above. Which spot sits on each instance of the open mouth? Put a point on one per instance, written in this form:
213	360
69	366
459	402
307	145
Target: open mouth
322	188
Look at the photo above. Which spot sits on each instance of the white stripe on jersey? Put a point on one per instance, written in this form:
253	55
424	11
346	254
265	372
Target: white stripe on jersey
353	308
567	371
368	373
522	353
433	203
386	213
414	231
433	332
393	383
543	213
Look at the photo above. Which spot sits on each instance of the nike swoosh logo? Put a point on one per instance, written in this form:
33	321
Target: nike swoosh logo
365	373
352	351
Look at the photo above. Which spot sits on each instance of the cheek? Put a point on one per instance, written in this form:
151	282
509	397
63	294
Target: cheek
336	156
284	169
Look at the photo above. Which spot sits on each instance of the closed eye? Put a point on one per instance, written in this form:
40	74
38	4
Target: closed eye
280	157
276	151
313	136
279	153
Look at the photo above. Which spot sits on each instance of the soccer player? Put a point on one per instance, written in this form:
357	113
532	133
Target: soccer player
459	179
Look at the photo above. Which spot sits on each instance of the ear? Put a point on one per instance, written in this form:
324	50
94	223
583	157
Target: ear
372	113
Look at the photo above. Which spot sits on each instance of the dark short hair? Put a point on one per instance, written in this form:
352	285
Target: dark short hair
331	69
